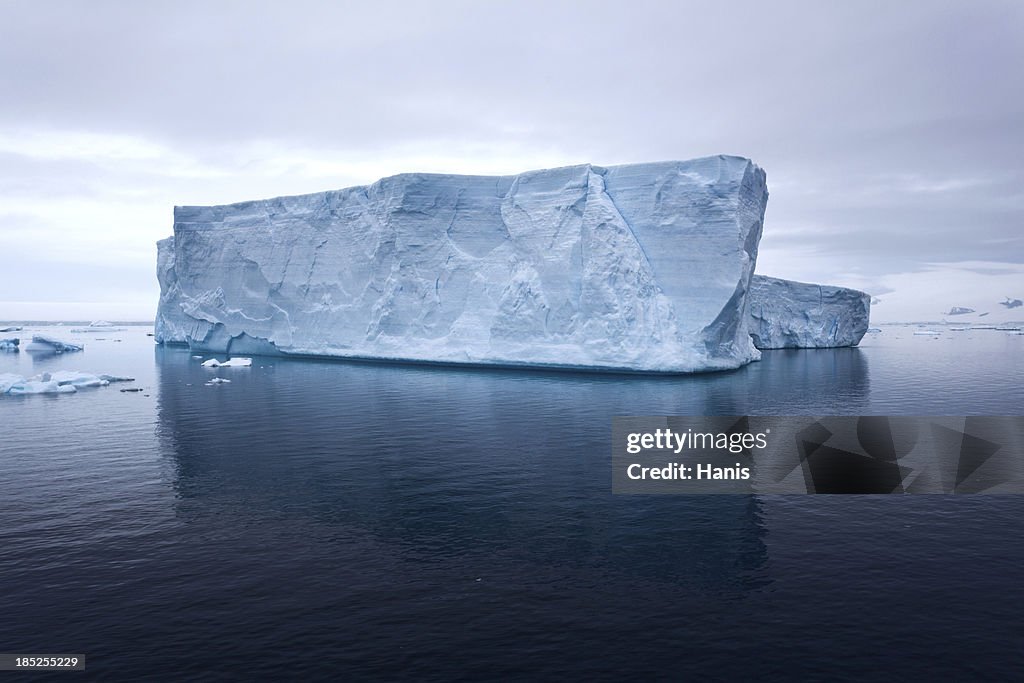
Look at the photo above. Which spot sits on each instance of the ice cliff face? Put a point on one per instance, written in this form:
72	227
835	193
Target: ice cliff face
786	314
642	267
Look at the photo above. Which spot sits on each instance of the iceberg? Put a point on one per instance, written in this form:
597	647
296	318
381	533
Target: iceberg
45	344
786	314
10	329
641	267
10	344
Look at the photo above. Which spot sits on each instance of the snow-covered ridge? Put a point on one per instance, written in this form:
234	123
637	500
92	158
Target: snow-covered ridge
787	314
641	267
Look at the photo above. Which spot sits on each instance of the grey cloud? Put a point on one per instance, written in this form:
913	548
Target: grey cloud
887	125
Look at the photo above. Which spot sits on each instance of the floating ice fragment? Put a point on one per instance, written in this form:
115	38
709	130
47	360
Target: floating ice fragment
79	380
117	378
40	387
231	363
59	382
50	345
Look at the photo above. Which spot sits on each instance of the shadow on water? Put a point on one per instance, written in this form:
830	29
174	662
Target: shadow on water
441	463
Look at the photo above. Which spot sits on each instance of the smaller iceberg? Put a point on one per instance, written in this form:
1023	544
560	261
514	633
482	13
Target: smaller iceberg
43	344
231	363
10	329
959	310
9	344
927	333
784	314
1012	303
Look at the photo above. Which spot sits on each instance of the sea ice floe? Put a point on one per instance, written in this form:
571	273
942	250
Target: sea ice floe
33	386
59	382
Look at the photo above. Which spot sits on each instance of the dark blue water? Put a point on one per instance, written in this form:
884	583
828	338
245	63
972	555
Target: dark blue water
335	521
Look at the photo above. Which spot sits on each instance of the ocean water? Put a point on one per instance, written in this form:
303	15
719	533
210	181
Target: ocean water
345	521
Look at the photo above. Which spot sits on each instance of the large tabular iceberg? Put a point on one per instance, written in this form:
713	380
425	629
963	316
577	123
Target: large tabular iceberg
787	314
642	267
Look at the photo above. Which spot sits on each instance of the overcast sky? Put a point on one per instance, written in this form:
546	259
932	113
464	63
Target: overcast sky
892	133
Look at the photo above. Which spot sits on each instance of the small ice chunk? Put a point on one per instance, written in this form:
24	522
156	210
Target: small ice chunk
218	380
79	380
930	333
117	378
230	363
9	344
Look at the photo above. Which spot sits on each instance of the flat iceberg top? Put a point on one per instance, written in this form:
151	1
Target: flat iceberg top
640	267
712	169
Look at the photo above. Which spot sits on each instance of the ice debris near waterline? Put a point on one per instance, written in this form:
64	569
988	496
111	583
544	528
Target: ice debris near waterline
10	344
786	314
641	267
